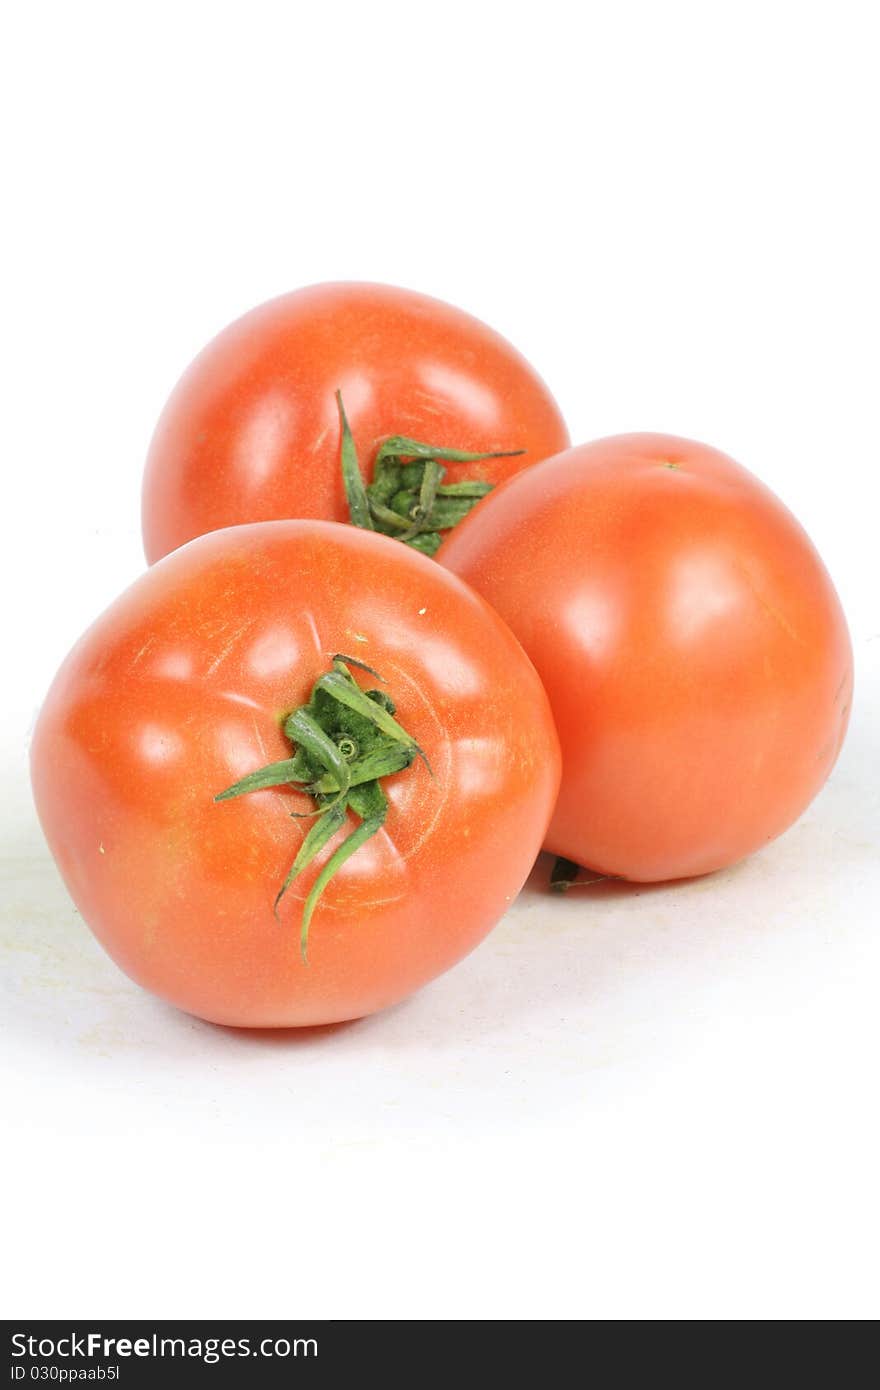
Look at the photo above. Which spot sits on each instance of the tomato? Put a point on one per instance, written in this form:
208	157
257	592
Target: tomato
252	431
188	683
690	640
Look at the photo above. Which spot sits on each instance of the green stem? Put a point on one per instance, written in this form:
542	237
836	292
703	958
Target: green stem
563	874
374	819
355	491
407	498
347	740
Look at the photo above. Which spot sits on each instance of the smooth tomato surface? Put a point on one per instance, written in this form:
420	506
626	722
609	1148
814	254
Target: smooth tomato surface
181	687
690	640
252	433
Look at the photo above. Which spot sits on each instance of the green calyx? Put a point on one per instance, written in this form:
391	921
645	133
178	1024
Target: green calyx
346	740
407	498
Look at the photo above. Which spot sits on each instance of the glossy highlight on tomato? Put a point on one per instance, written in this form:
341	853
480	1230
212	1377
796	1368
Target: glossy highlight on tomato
690	640
252	430
185	685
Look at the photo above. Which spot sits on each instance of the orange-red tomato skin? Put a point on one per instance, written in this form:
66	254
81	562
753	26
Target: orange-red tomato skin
180	688
251	431
693	647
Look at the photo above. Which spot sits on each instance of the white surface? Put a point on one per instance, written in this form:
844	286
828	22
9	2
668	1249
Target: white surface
627	1103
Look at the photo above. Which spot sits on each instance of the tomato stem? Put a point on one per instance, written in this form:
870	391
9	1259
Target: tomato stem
407	498
346	740
563	874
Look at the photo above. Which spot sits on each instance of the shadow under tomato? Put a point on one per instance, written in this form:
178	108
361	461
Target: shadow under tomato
313	1035
590	885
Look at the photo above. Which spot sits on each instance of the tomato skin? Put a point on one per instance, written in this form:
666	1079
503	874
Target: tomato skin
180	688
251	432
692	645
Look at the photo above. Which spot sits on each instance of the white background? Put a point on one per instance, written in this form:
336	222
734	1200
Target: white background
657	1103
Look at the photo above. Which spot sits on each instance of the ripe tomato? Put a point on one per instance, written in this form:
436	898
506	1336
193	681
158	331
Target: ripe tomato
691	642
252	430
184	685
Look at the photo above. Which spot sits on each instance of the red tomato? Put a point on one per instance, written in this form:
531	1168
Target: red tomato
691	642
183	686
252	431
